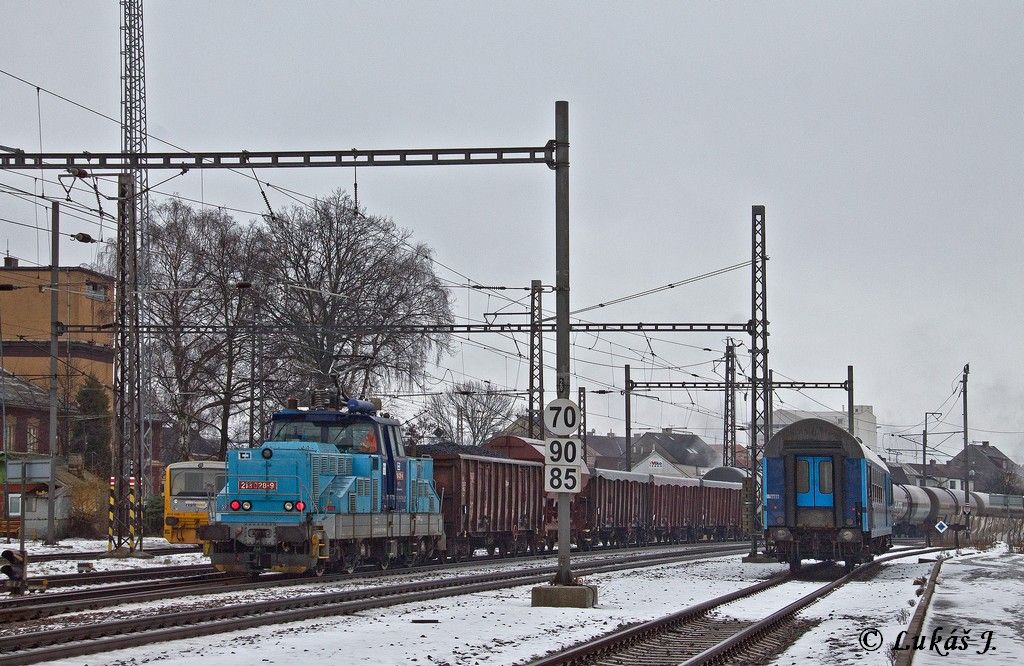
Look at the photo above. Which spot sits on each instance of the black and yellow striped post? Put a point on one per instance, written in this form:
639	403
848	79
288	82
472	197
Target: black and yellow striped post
131	518
111	509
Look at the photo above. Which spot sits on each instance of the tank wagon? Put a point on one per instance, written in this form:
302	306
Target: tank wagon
328	490
825	496
916	511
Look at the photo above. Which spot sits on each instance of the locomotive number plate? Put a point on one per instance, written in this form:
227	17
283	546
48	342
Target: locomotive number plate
257	485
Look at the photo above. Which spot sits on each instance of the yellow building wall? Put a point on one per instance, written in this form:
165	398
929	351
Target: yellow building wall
84	298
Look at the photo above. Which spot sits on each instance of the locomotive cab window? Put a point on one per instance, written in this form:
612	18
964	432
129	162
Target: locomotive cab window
196	482
803	476
357	437
825	477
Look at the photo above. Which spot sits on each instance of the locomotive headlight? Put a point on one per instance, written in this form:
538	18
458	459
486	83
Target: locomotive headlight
781	534
267	454
288	506
847	535
246	505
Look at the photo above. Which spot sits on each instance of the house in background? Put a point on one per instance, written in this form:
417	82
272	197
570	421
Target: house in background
25	414
669	453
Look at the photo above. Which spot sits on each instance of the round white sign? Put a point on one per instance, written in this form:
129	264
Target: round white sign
562	417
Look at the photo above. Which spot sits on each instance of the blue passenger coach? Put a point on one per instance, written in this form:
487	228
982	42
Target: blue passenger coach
826	496
330	489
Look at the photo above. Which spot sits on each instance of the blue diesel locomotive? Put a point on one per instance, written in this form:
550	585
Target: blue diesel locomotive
825	496
328	490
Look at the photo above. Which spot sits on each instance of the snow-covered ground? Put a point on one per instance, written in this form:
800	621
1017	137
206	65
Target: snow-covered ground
309	587
498	627
982	593
76	545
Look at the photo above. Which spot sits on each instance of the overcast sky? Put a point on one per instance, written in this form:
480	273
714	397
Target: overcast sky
887	142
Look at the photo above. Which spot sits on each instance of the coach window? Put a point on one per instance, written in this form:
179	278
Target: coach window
803	483
825	477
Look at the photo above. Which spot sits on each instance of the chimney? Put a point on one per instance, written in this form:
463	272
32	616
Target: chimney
984	443
666	431
932	462
10	262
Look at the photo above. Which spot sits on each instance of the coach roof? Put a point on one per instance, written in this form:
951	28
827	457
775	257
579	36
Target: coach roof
811	433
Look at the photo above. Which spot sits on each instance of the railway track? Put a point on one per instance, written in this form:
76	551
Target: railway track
122	575
693	636
96	554
35	645
200	579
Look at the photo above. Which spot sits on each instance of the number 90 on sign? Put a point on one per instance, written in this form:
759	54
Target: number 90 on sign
562	479
563	451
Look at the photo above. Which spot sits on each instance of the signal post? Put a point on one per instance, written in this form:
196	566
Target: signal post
563	464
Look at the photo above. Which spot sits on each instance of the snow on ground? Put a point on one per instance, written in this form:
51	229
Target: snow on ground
309	587
497	627
76	545
885	602
978	590
58	567
981	593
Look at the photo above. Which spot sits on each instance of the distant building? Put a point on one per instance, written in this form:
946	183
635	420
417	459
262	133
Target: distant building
606	451
85	297
670	453
994	472
865	424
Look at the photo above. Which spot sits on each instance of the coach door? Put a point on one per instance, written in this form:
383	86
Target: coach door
814	492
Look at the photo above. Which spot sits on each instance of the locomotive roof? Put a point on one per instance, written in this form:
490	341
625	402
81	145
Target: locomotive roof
329	416
808	433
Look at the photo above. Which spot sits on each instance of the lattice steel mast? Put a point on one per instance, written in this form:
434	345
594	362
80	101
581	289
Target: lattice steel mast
759	415
132	450
535	418
729	436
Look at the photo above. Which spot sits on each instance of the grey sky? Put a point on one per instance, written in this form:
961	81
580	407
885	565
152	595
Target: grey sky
885	140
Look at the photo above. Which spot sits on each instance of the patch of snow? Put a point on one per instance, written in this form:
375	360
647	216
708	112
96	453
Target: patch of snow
497	627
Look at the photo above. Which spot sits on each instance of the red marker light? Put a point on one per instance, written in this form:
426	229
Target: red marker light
300	506
235	505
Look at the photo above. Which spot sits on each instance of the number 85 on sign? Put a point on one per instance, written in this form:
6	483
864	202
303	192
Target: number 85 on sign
562	478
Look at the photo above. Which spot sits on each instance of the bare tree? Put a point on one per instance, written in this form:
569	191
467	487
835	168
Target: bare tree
470	412
335	266
198	258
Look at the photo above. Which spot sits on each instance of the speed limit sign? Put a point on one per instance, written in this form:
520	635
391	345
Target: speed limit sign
562	417
563	451
562	478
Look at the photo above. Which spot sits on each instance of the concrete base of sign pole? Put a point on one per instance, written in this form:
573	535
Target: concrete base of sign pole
564	596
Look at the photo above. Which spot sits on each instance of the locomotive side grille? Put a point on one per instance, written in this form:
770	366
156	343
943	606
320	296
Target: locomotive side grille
315	464
351	503
376	492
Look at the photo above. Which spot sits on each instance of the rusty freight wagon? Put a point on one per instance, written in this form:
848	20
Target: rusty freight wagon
722	510
675	509
487	501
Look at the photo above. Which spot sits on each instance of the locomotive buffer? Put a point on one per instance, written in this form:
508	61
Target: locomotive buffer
563	474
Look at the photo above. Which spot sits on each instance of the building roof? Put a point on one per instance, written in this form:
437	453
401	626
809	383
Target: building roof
609	446
679	448
16	392
64	269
